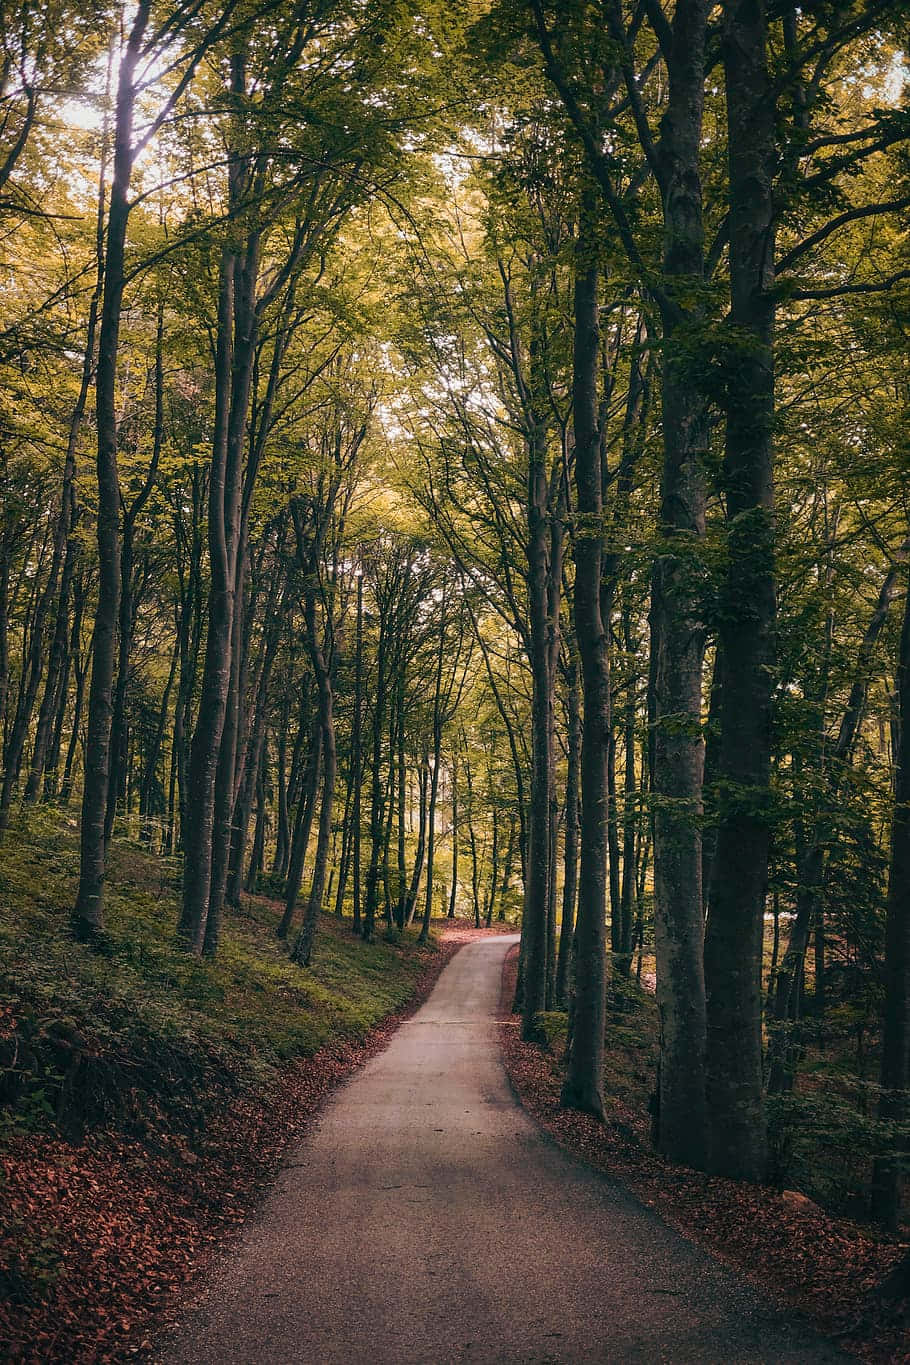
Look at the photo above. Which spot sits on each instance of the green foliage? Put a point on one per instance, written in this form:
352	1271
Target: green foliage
824	1145
552	1029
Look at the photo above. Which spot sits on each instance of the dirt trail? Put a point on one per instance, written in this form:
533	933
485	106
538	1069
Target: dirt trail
427	1219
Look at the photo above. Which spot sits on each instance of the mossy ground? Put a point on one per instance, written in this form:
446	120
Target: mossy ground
140	1035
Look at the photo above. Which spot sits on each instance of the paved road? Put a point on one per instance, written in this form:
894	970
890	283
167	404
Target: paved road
426	1219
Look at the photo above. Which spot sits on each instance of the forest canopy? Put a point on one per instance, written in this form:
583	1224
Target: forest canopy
455	459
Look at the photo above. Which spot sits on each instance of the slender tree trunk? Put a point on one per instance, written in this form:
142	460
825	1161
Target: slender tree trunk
303	948
534	920
376	821
223	806
431	839
88	913
357	755
344	868
244	802
583	1084
472	840
421	849
506	885
7	540
712	757
68	667
402	900
630	792
553	838
282	833
494	870
570	881
234	360
154	754
302	826
80	667
453	894
389	816
257	854
206	741
894	1104
57	666
613	869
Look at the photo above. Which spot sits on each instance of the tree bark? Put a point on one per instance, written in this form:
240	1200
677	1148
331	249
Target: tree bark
302	826
888	1176
453	894
677	630
570	880
534	920
88	913
303	948
420	851
734	941
583	1084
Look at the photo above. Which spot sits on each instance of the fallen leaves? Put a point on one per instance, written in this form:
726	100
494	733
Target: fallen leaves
825	1267
99	1240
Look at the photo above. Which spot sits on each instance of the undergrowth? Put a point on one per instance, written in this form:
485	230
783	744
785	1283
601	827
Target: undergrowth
822	1137
142	1038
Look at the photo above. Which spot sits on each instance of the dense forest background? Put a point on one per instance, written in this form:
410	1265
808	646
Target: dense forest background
454	460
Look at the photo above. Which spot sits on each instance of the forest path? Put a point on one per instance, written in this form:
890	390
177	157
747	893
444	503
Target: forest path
426	1218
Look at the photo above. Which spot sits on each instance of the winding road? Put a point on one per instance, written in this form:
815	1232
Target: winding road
427	1219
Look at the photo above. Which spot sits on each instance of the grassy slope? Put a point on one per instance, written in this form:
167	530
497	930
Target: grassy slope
143	1037
145	1098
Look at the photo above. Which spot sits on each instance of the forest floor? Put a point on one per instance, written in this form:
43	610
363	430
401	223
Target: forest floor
146	1100
427	1220
781	1241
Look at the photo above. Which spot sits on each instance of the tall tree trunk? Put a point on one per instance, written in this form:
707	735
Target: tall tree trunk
494	870
69	666
376	820
583	1084
80	668
57	666
895	1063
534	919
613	870
344	868
302	825
506	885
257	855
244	802
570	880
127	611
677	630
303	948
472	837
453	894
357	755
233	373
88	913
734	942
157	743
402	900
234	359
630	792
420	851
431	838
282	831
223	806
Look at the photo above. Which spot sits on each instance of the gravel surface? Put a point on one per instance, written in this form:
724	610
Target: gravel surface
426	1218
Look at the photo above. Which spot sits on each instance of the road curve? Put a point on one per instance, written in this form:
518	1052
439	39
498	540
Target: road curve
427	1219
